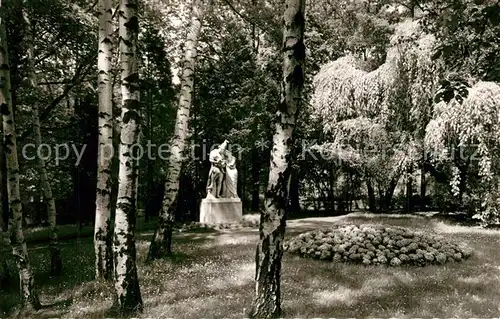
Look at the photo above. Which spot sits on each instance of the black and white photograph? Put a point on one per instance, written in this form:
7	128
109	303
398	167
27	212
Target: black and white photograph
249	159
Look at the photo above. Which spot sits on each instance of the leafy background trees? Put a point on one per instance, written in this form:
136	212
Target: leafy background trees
399	105
236	81
237	76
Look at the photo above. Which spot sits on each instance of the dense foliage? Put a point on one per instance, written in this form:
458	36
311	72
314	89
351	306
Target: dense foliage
373	85
470	125
375	119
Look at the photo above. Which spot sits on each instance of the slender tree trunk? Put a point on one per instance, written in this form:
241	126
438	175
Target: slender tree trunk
4	207
372	206
137	180
254	33
256	168
115	162
102	226
331	190
267	301
242	182
55	251
29	297
3	225
409	193
6	275
124	252
389	193
294	193
349	194
162	239
149	163
423	188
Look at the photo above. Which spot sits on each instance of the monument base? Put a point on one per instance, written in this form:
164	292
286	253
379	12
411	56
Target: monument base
221	210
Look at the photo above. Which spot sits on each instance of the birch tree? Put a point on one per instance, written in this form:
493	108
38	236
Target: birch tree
48	198
4	268
161	243
29	297
124	251
102	227
267	301
3	212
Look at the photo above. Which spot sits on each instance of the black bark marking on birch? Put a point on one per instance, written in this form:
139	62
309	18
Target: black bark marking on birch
132	5
131	115
132	79
8	142
4	109
107	40
128	43
282	109
298	20
299	50
296	78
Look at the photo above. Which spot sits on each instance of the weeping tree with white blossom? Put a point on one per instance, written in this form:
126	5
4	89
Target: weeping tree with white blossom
379	115
466	127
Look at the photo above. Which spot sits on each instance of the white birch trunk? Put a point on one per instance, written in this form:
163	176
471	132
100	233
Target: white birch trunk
3	222
267	301
48	198
29	297
124	251
162	239
102	227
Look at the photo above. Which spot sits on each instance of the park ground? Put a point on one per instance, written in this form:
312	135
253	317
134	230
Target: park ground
211	275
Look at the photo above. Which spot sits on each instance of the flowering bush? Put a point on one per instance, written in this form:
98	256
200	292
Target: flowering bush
393	246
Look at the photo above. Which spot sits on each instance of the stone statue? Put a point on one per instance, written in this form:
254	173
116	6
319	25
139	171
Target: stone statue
222	204
223	176
216	173
231	177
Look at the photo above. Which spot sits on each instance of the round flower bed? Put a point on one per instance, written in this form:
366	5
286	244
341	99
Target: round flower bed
394	246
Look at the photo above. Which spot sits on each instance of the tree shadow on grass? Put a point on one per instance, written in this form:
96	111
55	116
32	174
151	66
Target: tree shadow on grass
421	298
46	310
78	267
181	236
51	310
207	289
184	249
315	288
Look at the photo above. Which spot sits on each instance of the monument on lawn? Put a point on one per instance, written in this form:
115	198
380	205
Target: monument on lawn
222	204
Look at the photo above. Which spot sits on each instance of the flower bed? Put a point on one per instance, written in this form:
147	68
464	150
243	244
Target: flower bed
394	246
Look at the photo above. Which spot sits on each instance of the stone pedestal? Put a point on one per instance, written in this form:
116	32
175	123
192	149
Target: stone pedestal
221	210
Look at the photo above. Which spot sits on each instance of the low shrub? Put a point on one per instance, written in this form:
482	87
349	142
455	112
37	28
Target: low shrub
203	227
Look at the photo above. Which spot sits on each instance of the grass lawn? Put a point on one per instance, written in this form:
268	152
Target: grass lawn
211	276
